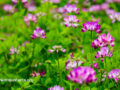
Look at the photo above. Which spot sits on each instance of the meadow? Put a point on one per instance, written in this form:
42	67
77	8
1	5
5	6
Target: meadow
59	44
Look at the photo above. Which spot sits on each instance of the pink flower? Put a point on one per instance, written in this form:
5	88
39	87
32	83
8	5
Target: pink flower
95	65
115	74
71	8
103	41
72	64
8	8
24	1
73	1
14	2
52	1
92	26
71	21
38	33
104	51
35	74
30	18
56	87
82	74
57	48
95	8
13	50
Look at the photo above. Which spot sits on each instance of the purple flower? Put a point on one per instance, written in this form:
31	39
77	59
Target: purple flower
91	26
82	74
52	1
56	87
13	50
8	8
72	64
30	18
71	21
35	74
103	41
95	65
71	8
57	48
104	51
38	33
95	8
73	1
14	2
115	74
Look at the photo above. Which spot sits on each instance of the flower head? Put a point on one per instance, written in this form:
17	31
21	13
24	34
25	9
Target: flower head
39	33
57	48
71	8
82	74
104	52
95	65
92	26
71	21
56	87
35	74
73	62
13	50
8	8
115	74
103	41
30	18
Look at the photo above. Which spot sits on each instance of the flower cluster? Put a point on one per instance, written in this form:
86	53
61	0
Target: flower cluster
71	21
38	33
95	65
104	51
92	26
113	15
25	2
52	1
35	74
56	87
103	41
71	8
73	62
112	1
82	74
57	48
95	8
8	8
30	18
73	1
115	74
13	50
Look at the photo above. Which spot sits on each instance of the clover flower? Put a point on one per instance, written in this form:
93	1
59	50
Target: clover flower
71	21
56	87
103	41
52	1
35	74
104	52
95	65
38	33
57	48
8	8
115	74
13	50
73	1
73	62
82	74
30	18
92	26
23	1
71	8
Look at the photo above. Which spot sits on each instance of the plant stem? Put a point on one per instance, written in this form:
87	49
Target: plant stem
91	48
